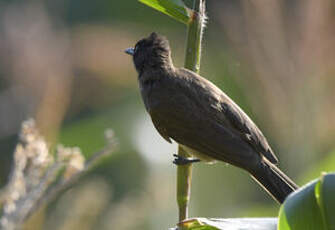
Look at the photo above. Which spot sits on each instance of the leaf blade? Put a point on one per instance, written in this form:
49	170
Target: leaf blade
229	223
326	199
173	8
301	210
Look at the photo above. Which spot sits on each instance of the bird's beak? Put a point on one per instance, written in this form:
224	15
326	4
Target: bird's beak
129	51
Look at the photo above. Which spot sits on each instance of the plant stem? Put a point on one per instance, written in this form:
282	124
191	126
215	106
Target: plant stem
194	36
184	179
192	62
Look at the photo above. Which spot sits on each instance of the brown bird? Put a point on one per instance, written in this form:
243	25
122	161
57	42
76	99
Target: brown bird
201	118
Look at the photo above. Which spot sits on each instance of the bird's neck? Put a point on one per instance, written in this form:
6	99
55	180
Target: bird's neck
157	71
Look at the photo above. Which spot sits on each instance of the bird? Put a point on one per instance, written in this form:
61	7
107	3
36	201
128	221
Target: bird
202	119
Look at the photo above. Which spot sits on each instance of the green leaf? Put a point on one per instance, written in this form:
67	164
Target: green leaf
326	199
301	210
173	8
232	224
311	207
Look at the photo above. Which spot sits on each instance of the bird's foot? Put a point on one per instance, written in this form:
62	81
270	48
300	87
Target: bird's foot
179	160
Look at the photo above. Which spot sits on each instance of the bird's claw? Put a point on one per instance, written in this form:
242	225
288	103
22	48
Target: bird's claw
179	160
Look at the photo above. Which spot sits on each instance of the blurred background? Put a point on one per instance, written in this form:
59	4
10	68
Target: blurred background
62	63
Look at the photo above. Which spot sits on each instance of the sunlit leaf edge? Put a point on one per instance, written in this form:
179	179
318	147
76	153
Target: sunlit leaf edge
319	198
327	199
201	223
282	220
178	11
196	224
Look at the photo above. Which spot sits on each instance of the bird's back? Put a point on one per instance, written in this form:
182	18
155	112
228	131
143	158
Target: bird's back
194	112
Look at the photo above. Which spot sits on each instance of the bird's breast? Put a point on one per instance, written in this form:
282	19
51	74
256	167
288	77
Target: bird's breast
152	94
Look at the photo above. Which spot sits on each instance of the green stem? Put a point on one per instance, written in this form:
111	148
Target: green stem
184	179
192	62
194	36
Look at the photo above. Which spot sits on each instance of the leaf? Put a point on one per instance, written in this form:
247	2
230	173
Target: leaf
326	199
301	210
311	207
173	8
229	224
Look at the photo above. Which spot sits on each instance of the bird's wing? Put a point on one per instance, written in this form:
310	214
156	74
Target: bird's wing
248	130
230	114
177	121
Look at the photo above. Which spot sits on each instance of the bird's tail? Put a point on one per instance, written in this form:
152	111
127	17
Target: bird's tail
274	181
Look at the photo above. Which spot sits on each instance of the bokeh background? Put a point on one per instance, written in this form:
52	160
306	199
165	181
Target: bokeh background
62	63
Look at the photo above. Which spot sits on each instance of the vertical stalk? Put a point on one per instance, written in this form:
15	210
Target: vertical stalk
192	62
184	179
194	36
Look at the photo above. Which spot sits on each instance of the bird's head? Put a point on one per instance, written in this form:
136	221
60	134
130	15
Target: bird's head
151	53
